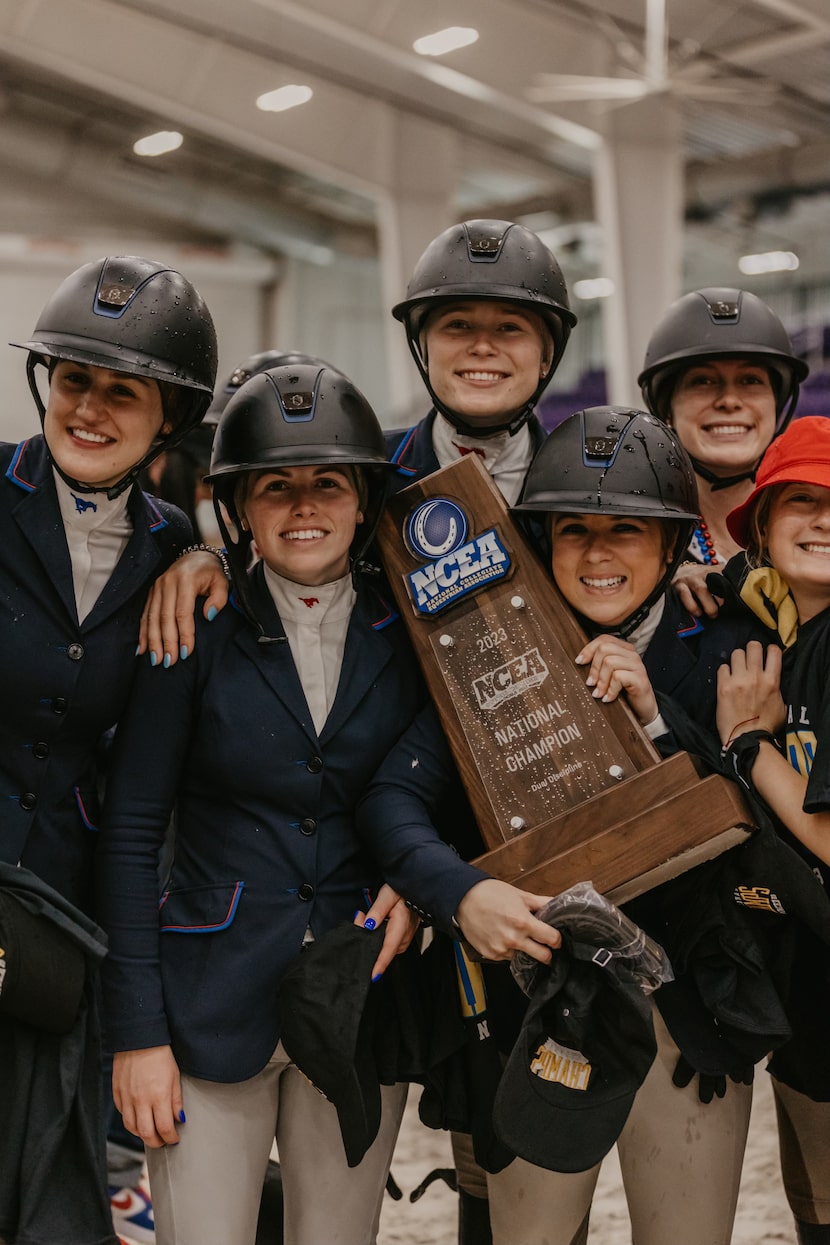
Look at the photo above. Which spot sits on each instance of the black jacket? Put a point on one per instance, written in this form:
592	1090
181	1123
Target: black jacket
53	1188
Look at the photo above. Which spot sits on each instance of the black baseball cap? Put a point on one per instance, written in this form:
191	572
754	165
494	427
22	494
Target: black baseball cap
733	925
584	1050
329	1010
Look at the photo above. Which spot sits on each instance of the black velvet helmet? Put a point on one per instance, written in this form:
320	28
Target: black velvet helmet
617	461
717	322
135	316
304	415
261	362
495	260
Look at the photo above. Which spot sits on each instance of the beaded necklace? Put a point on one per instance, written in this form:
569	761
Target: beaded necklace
705	544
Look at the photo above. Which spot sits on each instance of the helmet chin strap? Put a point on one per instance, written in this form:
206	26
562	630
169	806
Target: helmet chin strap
720	482
78	486
628	625
476	430
113	490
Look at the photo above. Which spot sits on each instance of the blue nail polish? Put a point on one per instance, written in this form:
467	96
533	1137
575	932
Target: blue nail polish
369	923
212	612
376	978
167	661
137	649
183	652
154	661
182	1117
356	915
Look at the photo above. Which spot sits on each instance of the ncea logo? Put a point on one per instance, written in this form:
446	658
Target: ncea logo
437	529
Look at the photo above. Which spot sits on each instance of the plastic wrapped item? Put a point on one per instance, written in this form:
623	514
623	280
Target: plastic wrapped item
592	919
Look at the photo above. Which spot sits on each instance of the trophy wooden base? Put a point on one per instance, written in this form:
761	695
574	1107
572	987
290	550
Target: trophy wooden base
630	838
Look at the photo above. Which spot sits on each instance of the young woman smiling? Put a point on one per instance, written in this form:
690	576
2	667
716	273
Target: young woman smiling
774	718
618	524
266	737
130	352
720	368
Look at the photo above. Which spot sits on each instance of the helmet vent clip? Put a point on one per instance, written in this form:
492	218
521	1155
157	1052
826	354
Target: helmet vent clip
297	402
115	295
484	246
601	447
723	310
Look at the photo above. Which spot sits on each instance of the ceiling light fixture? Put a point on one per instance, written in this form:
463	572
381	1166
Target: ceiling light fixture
445	41
284	98
158	144
768	261
596	287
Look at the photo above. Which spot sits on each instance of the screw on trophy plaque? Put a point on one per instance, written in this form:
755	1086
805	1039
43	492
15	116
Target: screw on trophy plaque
564	789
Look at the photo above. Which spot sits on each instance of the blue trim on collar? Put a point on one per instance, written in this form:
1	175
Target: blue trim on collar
693	627
401	450
11	470
390	616
159	521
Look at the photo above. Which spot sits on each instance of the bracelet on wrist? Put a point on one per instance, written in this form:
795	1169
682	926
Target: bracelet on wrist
736	730
217	553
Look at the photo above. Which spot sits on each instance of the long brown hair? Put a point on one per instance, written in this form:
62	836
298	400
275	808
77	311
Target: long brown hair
757	553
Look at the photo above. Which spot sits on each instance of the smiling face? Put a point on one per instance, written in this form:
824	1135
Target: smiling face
724	413
303	521
485	359
797	537
98	423
605	565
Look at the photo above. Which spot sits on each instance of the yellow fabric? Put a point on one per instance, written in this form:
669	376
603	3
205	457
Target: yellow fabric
767	594
470	984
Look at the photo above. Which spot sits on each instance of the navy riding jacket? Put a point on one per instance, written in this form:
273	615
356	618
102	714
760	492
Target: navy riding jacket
64	683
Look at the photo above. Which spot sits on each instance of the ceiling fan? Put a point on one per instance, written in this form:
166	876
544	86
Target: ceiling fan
691	77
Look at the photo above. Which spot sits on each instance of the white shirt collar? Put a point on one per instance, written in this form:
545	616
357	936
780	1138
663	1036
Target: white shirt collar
506	458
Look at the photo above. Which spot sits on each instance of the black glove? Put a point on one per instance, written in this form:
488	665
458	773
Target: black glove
710	1084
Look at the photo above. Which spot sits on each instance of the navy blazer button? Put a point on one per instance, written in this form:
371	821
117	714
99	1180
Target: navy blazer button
60	705
75	652
306	892
28	800
314	765
41	751
308	825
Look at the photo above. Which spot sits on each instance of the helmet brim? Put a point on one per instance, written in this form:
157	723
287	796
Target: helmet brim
113	358
302	456
621	504
429	299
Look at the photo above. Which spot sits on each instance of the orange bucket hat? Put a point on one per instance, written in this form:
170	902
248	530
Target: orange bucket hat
801	455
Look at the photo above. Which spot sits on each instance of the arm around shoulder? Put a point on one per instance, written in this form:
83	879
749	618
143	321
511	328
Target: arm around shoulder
167	621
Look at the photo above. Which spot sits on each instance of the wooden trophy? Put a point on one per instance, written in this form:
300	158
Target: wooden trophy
565	789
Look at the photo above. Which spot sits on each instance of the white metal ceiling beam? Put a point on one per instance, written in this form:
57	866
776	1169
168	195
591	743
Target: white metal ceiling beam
433	71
